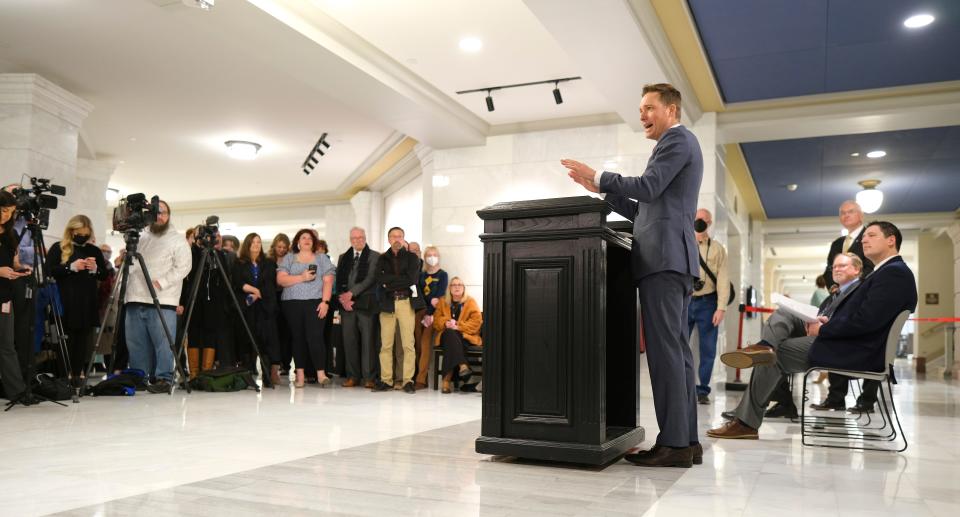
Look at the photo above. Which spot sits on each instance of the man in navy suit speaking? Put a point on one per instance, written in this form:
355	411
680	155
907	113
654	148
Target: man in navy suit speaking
662	203
853	338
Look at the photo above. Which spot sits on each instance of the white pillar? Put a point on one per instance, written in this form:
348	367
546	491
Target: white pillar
90	193
39	134
954	232
368	214
425	155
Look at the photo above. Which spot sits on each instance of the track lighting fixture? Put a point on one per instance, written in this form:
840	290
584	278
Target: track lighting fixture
315	154
557	97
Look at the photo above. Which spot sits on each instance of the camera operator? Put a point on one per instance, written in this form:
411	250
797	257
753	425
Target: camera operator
26	308
77	265
167	258
10	270
210	328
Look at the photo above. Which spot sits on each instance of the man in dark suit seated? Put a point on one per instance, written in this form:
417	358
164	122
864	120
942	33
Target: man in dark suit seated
783	325
854	338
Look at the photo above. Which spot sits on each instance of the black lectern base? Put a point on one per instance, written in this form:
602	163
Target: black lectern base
623	439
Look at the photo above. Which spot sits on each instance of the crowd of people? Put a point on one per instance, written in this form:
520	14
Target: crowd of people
390	309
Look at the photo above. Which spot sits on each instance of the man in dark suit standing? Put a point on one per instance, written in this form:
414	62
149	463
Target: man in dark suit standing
854	338
356	283
662	203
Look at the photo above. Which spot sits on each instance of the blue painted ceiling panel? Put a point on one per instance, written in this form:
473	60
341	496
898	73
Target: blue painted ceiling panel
765	49
920	173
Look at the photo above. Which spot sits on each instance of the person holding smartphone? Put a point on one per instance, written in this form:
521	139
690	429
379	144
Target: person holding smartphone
306	277
10	270
77	265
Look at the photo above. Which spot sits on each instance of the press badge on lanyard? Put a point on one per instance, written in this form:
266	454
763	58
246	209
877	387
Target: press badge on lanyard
6	307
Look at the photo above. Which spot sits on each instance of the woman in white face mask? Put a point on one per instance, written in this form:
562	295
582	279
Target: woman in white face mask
433	286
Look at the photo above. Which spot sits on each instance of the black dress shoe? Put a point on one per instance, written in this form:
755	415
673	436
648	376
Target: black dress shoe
381	386
858	409
160	386
663	457
703	399
409	388
829	405
728	415
782	411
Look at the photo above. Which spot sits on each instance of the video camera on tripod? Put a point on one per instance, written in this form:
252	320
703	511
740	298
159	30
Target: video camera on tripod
33	205
134	213
207	232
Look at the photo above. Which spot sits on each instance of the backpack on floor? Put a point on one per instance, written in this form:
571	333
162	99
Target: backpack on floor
52	388
223	379
118	385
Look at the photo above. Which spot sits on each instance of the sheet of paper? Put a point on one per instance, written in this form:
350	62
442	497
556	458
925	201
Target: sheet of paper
806	312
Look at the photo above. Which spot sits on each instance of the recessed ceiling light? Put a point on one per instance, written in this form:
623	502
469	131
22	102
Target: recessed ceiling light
471	44
854	154
918	20
876	154
792	187
242	150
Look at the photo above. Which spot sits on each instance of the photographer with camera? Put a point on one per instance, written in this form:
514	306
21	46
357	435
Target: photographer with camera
211	327
167	257
77	265
10	270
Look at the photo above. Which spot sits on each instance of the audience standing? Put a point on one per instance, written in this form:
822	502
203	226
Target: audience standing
397	271
10	270
255	283
356	283
433	287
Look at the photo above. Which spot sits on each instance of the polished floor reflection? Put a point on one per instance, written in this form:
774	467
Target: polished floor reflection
350	452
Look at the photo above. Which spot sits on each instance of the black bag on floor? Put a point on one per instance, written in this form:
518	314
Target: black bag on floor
121	384
49	387
223	379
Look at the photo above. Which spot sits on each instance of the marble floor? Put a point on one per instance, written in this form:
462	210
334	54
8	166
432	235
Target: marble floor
338	451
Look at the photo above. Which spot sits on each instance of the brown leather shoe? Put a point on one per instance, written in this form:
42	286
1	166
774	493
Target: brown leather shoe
753	355
368	385
420	385
350	383
663	457
446	387
697	452
734	430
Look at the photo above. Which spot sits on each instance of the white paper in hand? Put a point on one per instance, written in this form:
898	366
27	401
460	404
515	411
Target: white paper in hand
806	312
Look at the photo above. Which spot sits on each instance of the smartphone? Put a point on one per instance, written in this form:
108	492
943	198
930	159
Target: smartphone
22	270
312	267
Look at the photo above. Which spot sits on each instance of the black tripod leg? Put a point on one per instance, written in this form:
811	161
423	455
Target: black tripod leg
103	325
264	367
191	305
163	324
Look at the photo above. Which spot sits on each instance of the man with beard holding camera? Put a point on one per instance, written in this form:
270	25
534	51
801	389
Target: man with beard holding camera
168	261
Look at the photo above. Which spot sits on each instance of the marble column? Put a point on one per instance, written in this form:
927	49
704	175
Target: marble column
93	176
425	155
39	134
368	214
954	232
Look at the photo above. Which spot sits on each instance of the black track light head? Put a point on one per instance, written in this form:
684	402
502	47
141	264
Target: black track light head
556	93
489	101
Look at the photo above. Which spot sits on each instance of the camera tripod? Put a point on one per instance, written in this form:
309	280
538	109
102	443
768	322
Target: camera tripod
208	253
42	281
132	239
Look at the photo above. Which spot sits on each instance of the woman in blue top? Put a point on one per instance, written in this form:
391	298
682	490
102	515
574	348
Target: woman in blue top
306	301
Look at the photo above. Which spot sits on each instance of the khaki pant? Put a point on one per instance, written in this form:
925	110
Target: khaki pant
403	314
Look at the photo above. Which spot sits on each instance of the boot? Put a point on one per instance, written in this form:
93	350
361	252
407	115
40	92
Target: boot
193	359
209	354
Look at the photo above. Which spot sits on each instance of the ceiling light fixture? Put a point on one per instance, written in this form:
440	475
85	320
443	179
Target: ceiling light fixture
241	149
556	90
870	198
854	154
315	154
918	20
471	44
876	154
792	187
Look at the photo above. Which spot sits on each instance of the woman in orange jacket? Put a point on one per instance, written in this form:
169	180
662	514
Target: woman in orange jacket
456	323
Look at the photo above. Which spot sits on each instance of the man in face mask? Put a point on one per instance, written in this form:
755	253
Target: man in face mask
168	260
710	296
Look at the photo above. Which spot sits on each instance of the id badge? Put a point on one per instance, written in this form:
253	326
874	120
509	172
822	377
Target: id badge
6	308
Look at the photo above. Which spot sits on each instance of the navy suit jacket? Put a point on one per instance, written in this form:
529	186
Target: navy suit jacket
662	204
855	338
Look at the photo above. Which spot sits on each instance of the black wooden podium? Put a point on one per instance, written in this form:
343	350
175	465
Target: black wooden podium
560	333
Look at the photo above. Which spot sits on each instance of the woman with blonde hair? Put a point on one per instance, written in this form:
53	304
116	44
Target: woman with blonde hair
457	322
433	287
77	264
